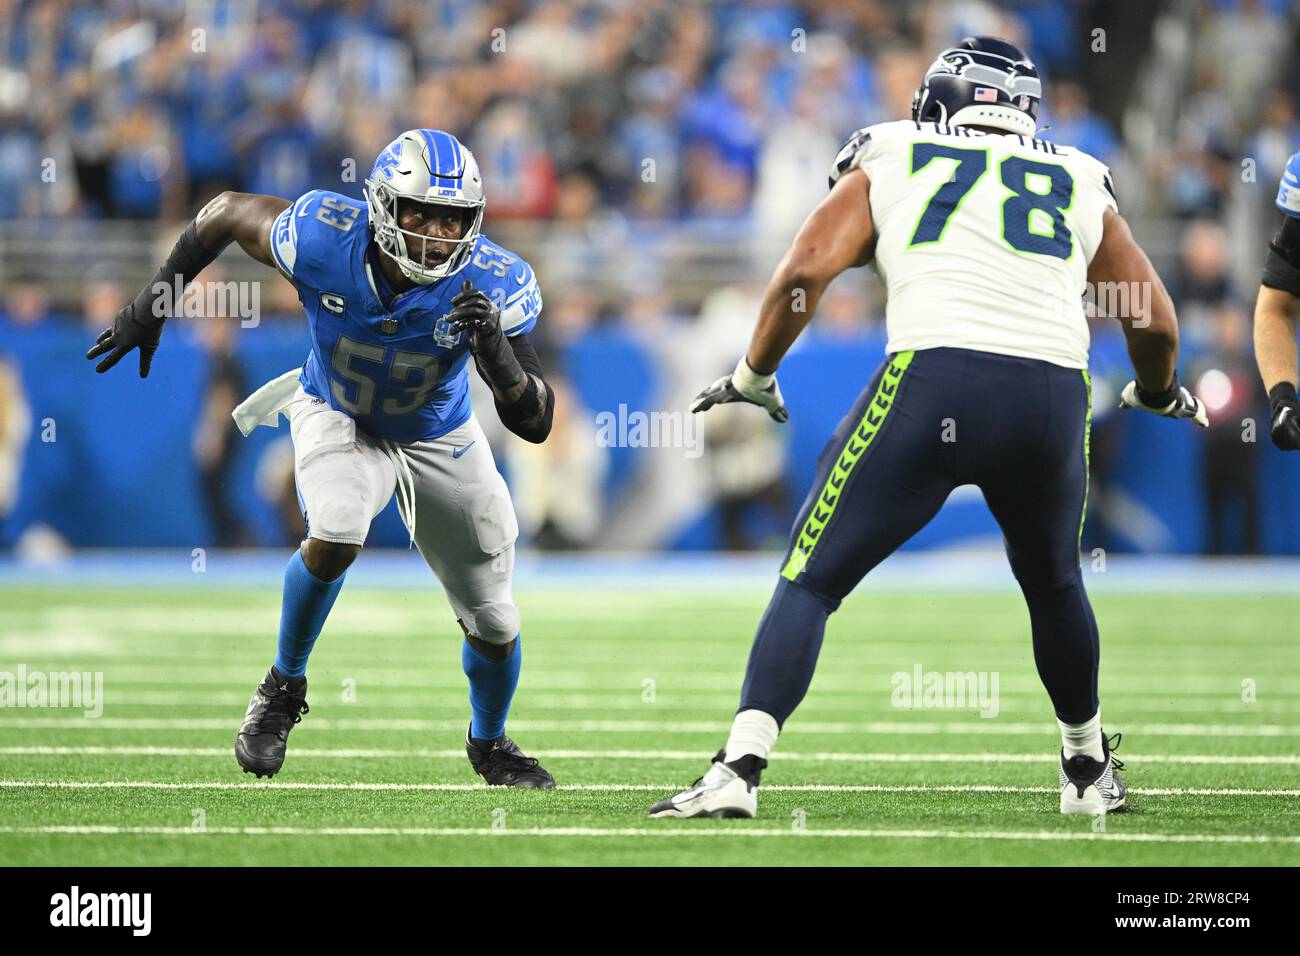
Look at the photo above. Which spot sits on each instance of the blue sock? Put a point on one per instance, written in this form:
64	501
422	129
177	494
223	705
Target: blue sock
307	602
491	688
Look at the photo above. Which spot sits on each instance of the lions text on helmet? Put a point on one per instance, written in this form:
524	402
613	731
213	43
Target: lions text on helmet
432	168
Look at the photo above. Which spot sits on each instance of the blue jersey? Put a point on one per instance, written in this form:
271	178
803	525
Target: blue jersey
396	369
1288	193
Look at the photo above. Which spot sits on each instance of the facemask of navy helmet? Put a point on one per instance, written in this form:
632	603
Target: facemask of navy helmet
982	81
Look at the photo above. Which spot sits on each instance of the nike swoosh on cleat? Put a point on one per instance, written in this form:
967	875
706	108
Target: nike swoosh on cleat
460	451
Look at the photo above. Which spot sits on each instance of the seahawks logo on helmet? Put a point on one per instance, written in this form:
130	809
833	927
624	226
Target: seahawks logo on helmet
983	81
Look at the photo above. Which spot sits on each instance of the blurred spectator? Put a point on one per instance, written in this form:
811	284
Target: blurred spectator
1201	283
745	459
276	485
1227	381
557	486
215	433
1073	123
15	427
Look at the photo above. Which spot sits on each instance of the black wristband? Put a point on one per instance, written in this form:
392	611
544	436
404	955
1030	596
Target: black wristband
186	260
1283	393
1160	399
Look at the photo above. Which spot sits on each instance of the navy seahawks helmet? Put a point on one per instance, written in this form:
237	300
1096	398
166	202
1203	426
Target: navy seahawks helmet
982	81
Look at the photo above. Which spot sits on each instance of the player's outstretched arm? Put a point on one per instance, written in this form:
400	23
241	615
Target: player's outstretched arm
1275	337
1152	333
237	217
1276	309
839	235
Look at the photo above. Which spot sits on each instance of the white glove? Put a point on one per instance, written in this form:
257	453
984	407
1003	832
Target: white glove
1183	404
744	385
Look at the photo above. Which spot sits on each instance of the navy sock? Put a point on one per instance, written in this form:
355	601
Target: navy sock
784	655
307	602
491	688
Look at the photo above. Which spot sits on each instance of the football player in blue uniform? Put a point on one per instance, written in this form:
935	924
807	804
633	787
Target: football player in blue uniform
1276	309
400	293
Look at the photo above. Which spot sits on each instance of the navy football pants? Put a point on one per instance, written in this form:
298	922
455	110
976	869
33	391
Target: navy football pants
929	421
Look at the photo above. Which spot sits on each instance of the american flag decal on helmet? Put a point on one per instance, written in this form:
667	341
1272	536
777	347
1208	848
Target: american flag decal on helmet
986	94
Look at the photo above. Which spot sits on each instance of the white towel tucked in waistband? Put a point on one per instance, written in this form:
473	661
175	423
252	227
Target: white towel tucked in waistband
263	407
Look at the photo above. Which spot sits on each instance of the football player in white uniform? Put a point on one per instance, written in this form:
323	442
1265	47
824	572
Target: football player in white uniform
985	238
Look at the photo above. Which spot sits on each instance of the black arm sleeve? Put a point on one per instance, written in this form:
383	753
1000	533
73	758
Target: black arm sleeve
529	416
1282	267
187	259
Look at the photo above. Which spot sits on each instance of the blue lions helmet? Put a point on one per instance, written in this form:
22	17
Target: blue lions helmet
982	81
427	166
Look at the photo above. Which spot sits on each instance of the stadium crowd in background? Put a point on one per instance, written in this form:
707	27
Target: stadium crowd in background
626	124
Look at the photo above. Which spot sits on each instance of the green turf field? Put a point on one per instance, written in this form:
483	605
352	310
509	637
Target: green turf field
625	695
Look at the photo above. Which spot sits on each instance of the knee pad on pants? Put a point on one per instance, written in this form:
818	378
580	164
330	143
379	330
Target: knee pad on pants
496	623
342	514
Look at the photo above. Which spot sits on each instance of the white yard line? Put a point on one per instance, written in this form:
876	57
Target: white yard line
688	831
603	787
458	753
433	675
628	698
900	727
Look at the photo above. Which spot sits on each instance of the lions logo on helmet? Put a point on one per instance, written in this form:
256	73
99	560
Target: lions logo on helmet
983	81
428	166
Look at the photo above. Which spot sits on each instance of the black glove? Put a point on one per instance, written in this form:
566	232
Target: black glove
126	333
1285	430
139	325
473	312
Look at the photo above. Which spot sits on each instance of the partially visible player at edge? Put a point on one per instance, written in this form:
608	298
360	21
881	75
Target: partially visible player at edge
1276	309
985	238
399	291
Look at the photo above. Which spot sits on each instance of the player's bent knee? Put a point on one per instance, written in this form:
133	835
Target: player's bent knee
1045	579
343	519
328	559
497	623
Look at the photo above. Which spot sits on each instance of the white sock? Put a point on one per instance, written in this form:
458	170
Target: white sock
1084	738
752	732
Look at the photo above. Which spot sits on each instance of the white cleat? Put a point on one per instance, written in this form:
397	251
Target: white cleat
725	790
1092	786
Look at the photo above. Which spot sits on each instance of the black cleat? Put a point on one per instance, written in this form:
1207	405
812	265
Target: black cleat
502	764
277	705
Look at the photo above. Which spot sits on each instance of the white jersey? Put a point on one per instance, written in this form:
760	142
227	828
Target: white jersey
983	239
